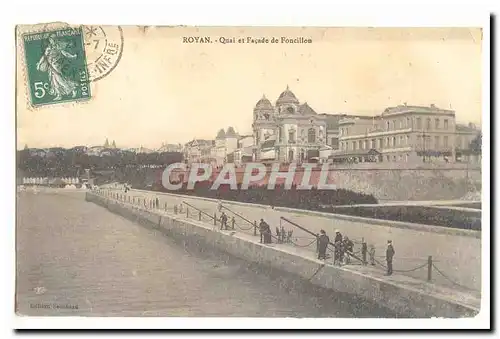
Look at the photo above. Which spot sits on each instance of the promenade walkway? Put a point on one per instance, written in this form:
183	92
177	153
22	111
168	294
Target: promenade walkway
456	258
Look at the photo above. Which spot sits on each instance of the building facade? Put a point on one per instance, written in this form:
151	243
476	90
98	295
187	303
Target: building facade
287	131
226	142
402	133
199	151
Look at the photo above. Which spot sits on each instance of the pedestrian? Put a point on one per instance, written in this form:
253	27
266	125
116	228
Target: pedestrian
219	205
233	222
267	234
348	247
338	248
371	253
323	241
223	221
389	255
262	229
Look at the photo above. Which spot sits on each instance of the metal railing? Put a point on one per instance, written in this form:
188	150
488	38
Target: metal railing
428	263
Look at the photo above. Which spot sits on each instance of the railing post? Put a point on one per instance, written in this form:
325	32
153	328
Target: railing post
364	249
215	219
429	268
199	215
187	212
165	206
254	227
232	223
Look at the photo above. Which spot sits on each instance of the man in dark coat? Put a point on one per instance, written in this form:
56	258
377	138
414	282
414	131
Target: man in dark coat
262	230
323	241
338	248
389	255
223	221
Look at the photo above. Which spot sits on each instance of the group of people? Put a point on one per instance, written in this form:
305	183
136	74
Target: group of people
343	250
342	246
265	232
223	222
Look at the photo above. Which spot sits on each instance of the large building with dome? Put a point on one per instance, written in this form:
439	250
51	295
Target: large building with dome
287	131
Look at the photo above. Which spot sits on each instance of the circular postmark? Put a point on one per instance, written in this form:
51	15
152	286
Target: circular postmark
103	49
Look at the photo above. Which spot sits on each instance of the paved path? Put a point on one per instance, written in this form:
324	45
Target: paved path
458	257
430	203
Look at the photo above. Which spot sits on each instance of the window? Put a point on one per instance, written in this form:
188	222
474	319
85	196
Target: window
311	135
407	156
394	158
401	141
437	123
387	142
360	144
393	141
388	128
407	140
354	145
373	144
291	136
419	123
400	157
401	124
380	145
388	158
445	122
445	141
436	141
428	123
393	124
408	123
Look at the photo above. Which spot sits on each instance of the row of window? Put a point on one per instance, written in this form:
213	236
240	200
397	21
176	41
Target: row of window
400	141
408	123
375	143
311	135
437	141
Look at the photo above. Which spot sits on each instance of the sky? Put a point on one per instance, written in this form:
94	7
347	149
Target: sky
164	90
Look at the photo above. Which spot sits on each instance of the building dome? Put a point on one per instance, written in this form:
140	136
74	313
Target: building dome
221	134
287	97
230	133
264	104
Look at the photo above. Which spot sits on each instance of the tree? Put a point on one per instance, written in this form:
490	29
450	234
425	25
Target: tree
476	143
106	144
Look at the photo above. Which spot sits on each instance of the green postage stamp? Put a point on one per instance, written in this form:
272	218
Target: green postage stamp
56	66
